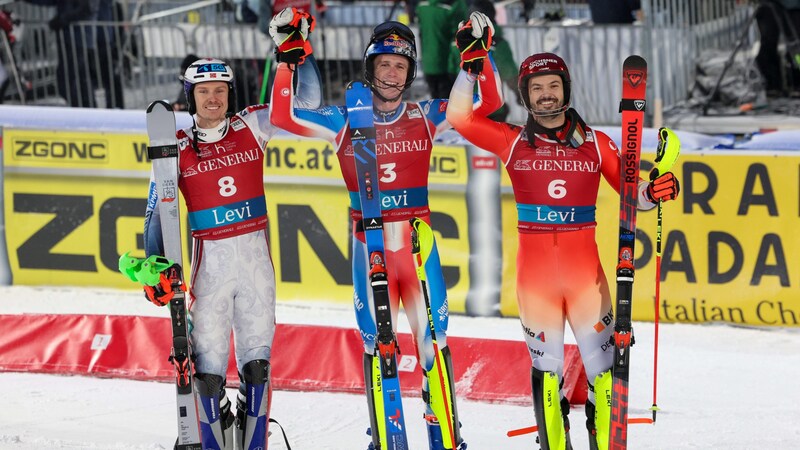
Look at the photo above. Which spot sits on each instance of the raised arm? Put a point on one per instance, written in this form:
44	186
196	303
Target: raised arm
481	131
324	123
289	29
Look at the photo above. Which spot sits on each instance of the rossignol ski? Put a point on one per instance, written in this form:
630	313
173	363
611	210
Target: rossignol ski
163	152
383	386
632	107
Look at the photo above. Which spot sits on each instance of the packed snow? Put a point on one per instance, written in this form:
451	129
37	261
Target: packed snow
719	386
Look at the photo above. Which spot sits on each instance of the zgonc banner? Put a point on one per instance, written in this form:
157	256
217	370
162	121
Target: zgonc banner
75	201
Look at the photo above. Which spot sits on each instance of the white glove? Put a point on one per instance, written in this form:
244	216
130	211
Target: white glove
285	23
480	21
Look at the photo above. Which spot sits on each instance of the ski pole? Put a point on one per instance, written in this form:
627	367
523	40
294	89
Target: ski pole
265	80
669	147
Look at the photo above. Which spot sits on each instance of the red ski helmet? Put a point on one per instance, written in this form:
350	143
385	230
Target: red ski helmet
543	64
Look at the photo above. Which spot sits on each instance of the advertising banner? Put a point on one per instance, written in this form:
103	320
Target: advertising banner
727	242
75	201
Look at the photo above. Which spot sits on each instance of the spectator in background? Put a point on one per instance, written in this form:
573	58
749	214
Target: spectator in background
501	53
75	43
109	69
262	11
614	11
437	20
7	28
780	71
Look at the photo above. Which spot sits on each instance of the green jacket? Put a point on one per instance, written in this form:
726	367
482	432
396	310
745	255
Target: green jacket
438	23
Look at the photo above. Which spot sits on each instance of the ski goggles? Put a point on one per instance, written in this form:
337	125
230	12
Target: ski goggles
387	29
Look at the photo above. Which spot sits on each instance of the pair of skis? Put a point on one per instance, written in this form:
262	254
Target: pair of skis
384	388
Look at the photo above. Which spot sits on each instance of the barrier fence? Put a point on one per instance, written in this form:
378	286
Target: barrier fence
126	63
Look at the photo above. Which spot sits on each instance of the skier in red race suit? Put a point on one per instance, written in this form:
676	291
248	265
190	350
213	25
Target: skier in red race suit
221	163
405	133
555	163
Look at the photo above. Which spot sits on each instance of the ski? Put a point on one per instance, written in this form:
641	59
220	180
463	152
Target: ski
384	389
163	152
632	107
441	401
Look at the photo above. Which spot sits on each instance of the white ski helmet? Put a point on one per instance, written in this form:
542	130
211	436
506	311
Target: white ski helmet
208	69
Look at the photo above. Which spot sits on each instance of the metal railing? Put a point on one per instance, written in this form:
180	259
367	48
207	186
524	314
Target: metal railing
129	63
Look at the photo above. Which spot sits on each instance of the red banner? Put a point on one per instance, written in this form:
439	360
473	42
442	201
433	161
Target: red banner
304	357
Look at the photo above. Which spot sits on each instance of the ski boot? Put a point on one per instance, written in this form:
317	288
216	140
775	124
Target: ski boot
435	441
551	413
252	406
216	420
598	414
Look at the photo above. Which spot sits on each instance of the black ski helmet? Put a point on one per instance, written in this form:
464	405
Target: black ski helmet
391	38
208	69
543	64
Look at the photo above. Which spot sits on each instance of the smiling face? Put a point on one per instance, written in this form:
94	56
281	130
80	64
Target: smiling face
546	94
211	99
391	72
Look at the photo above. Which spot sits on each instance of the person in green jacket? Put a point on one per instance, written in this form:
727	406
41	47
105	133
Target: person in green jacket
501	53
437	20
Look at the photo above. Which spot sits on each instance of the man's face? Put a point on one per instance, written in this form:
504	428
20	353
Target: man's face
546	92
390	73
211	99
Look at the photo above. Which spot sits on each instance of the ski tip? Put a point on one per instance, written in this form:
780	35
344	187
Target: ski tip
635	61
355	84
162	103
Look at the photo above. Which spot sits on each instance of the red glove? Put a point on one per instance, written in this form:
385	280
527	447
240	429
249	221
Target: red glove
161	293
664	187
289	30
474	39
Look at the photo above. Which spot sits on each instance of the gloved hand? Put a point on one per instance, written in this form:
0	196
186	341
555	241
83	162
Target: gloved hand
161	293
663	184
289	30
663	187
474	39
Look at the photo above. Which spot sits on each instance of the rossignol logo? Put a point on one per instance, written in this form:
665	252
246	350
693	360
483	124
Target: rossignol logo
634	77
631	169
60	151
639	105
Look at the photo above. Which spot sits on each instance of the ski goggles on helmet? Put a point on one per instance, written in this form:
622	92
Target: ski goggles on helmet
387	29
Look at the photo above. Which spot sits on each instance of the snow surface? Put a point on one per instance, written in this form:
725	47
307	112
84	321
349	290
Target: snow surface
719	387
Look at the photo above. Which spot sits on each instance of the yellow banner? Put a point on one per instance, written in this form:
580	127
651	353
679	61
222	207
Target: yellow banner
729	242
67	220
75	150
